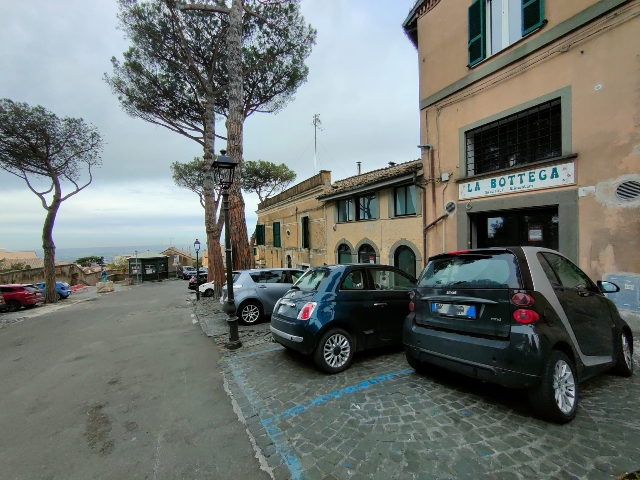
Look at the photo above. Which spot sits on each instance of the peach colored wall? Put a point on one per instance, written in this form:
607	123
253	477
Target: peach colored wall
443	38
605	135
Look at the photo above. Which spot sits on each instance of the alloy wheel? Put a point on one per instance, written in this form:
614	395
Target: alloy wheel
626	351
250	313
564	387
336	350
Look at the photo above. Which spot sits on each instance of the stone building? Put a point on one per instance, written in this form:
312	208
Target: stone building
290	231
529	114
376	217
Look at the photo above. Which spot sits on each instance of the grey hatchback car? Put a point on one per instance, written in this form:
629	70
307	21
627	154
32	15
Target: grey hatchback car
256	291
522	317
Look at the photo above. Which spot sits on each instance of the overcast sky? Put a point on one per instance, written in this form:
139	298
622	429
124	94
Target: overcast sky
363	81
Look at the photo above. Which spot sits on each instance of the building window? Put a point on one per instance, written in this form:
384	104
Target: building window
344	254
305	231
496	24
367	207
345	210
405	200
405	260
366	254
524	137
276	234
259	234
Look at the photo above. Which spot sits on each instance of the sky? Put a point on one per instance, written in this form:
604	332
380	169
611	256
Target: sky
363	82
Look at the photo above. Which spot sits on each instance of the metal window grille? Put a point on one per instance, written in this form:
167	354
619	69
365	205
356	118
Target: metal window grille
528	136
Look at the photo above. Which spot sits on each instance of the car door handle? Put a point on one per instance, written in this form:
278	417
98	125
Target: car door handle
262	286
379	304
585	294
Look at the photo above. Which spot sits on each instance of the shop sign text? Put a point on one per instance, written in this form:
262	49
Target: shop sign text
544	177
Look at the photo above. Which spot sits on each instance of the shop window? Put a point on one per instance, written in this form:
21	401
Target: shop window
344	254
405	200
496	24
345	210
259	234
366	254
276	234
304	221
533	228
528	136
367	207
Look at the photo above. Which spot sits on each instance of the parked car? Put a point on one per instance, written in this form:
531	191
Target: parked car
3	305
522	317
207	289
334	311
256	291
18	296
187	272
61	287
196	281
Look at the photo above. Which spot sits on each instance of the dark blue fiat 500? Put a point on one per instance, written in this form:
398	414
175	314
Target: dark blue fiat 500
333	311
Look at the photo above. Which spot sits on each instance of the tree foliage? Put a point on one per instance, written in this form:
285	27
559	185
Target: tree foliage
87	261
266	178
41	148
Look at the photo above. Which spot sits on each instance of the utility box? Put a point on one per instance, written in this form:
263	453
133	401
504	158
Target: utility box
628	298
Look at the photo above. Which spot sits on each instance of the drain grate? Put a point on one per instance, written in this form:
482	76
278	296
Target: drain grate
628	190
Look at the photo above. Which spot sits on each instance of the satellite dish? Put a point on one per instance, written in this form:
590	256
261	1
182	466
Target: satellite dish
450	208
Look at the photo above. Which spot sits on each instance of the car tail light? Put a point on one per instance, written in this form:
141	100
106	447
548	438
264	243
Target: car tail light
522	299
525	316
411	306
307	310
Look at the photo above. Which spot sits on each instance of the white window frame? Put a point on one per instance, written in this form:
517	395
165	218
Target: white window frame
504	25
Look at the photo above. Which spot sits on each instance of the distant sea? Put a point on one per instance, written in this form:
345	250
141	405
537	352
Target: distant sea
71	254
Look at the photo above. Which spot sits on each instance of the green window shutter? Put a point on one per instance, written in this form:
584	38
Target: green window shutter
260	234
305	232
276	234
477	35
532	15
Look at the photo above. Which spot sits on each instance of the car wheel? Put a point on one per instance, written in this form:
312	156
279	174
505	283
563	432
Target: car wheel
334	351
624	355
60	297
250	313
13	305
556	397
208	292
417	365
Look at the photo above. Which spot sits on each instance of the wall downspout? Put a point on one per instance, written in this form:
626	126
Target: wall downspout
424	219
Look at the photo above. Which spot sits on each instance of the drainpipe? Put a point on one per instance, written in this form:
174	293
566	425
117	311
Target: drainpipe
424	219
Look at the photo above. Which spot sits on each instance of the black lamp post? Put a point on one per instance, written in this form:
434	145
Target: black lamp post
196	247
223	170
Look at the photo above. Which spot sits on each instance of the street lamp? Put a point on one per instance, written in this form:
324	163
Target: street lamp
196	247
223	170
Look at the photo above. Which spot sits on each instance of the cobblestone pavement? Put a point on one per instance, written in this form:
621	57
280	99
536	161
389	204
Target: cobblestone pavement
381	420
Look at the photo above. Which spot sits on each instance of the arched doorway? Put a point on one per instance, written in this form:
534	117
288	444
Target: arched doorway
405	260
366	254
344	254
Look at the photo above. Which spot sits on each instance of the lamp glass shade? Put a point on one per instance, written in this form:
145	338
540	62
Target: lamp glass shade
196	245
224	169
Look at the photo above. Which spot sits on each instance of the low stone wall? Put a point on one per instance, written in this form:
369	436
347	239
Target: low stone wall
69	273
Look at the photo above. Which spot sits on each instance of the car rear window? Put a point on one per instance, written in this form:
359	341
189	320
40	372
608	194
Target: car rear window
472	271
312	278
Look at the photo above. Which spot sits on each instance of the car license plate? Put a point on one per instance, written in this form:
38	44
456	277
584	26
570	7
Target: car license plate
454	310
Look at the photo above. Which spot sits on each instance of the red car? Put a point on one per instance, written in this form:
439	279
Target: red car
18	296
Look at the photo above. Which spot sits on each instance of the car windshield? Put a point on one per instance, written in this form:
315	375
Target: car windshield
472	271
312	278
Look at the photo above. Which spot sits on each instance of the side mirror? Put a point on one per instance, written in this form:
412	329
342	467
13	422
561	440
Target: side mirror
608	287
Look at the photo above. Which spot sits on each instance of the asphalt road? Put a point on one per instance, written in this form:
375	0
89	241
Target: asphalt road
125	386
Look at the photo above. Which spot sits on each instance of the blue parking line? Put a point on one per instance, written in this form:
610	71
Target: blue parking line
229	359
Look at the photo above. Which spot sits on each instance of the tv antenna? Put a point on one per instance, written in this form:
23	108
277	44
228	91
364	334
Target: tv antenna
317	125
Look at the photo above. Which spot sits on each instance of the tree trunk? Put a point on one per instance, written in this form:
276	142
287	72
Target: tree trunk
234	124
50	292
216	267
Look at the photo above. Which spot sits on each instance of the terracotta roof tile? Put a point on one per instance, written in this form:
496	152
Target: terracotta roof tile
374	176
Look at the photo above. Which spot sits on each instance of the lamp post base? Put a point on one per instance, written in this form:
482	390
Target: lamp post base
234	338
233	345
